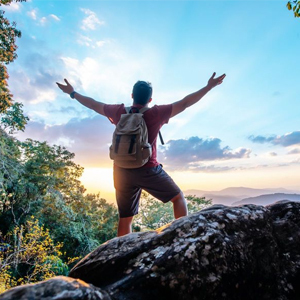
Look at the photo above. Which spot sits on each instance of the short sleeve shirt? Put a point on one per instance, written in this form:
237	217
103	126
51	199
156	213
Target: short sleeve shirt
155	117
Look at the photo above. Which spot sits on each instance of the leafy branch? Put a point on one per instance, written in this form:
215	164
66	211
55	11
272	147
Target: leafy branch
294	5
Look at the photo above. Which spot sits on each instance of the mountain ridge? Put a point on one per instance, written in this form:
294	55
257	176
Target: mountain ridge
231	195
268	199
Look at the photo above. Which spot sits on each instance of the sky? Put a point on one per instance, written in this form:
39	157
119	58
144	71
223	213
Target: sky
245	132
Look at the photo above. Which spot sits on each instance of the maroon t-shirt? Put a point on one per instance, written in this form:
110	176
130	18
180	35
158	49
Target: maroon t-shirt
155	117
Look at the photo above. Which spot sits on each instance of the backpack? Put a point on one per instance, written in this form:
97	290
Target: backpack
130	148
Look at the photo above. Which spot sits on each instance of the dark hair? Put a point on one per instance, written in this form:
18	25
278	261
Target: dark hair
142	92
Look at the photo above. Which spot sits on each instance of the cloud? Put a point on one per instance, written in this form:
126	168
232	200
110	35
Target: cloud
89	42
54	17
106	77
84	40
101	43
46	20
294	151
12	7
91	22
187	153
32	14
38	77
261	139
273	154
207	168
286	140
88	138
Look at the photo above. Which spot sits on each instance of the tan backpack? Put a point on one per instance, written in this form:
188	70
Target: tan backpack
130	148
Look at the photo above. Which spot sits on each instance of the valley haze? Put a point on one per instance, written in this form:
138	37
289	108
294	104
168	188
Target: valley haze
242	195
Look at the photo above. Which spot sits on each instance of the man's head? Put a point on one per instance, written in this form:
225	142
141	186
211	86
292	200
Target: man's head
142	92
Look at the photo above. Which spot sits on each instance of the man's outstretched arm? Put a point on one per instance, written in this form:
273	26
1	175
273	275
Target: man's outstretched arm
191	99
86	101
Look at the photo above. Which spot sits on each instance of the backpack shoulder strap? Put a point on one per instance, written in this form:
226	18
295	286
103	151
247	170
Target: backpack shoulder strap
144	109
141	111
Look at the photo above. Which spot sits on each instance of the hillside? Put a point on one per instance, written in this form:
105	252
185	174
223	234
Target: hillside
232	195
268	199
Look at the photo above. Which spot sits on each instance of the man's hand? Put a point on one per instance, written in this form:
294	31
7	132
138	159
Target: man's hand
86	101
212	82
66	88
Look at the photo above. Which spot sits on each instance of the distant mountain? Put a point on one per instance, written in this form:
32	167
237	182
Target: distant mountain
232	195
268	199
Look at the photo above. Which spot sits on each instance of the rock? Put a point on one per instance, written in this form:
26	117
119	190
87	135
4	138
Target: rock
58	288
246	252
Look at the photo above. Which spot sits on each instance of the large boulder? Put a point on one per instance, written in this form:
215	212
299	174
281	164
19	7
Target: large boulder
247	252
58	288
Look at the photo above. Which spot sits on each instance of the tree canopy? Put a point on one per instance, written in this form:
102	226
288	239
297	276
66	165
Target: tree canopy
295	7
11	113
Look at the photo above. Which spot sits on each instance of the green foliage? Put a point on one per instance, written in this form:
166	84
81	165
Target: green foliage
294	5
14	118
42	180
32	256
154	214
11	114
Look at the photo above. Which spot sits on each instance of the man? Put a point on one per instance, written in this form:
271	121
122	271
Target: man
151	177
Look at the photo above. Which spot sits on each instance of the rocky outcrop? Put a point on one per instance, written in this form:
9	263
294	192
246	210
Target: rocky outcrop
58	288
247	252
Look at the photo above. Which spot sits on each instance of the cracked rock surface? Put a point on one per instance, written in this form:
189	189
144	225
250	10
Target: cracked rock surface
57	288
246	252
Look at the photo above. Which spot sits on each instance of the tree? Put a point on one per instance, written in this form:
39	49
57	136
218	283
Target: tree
42	180
294	5
154	214
11	114
31	256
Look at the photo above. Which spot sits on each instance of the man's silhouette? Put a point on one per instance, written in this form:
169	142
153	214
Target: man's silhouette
151	177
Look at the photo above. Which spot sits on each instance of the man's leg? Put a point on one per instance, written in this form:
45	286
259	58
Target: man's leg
124	226
179	206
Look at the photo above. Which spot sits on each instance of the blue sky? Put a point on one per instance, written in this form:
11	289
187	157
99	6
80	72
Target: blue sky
243	133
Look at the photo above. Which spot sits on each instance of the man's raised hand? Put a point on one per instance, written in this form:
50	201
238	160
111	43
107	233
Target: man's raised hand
66	88
212	82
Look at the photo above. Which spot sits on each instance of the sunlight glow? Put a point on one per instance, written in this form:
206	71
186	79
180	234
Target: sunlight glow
99	180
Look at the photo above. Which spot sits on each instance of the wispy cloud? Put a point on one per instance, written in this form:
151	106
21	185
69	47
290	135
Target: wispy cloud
33	14
273	154
91	22
38	78
198	167
286	140
89	42
54	17
294	151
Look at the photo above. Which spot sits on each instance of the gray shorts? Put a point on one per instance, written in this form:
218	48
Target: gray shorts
129	184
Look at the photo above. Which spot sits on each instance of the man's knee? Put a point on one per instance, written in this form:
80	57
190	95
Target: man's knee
179	206
178	198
